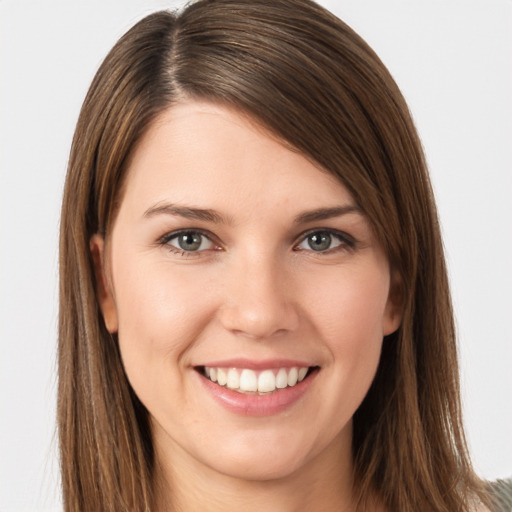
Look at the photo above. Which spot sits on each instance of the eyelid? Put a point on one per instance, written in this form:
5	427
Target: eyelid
348	241
167	237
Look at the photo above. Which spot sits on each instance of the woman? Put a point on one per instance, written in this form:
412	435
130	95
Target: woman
254	303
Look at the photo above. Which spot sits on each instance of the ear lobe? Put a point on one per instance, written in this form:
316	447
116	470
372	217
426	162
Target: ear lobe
394	306
103	289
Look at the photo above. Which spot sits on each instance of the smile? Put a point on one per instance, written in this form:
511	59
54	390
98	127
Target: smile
248	381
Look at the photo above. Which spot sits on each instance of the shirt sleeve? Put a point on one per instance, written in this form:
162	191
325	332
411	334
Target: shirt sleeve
501	492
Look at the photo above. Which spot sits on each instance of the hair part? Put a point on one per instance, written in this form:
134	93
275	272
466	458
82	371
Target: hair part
308	78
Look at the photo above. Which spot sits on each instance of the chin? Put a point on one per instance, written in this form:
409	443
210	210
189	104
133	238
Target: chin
263	458
259	468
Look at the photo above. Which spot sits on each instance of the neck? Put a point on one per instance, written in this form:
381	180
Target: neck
324	484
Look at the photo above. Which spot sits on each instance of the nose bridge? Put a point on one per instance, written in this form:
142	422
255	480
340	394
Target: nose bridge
258	302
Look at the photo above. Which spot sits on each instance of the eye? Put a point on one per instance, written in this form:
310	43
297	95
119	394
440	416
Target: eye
324	241
188	241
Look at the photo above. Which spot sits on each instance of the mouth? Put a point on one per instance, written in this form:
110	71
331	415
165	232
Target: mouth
257	382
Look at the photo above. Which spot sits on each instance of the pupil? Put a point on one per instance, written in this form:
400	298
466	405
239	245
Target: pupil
189	241
320	241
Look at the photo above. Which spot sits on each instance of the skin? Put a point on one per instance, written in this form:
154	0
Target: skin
255	289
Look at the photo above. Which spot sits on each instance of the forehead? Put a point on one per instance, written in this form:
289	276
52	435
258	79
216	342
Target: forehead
209	155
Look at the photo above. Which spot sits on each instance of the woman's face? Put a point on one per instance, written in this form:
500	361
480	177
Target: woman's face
235	266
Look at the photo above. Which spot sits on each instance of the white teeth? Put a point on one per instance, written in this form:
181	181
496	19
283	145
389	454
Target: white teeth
233	379
251	381
266	381
222	377
292	376
281	379
248	381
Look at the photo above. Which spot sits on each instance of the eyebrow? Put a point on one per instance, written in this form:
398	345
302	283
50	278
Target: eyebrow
187	212
326	213
208	215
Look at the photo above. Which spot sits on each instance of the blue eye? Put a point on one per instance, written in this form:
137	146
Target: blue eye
188	241
324	241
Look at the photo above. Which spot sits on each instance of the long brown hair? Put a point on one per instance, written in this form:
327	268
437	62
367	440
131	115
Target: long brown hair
307	77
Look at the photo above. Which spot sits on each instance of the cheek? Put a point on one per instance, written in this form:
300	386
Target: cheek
160	315
345	308
348	316
349	306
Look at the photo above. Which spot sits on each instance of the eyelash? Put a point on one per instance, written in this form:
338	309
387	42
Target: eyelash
347	243
166	239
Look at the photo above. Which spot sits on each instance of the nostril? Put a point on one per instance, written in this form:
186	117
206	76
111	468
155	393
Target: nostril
258	321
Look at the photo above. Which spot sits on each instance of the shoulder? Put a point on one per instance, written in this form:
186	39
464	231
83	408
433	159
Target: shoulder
501	495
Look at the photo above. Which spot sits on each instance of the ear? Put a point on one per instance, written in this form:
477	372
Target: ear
103	287
394	306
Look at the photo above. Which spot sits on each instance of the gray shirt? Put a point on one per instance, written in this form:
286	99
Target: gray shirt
501	492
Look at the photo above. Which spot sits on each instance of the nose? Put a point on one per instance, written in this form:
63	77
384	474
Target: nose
259	301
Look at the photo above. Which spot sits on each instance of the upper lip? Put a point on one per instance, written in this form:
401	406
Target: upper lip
257	364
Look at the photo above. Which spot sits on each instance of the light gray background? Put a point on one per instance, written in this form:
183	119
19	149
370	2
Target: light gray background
453	61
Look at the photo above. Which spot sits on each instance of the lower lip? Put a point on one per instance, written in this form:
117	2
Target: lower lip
258	405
